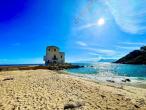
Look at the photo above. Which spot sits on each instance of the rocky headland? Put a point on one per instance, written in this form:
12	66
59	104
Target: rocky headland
134	57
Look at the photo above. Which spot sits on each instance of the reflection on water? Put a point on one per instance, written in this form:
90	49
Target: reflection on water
113	72
109	69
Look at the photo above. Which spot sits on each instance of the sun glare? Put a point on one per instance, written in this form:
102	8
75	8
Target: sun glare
100	22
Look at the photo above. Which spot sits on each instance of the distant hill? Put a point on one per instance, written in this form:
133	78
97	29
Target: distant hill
107	60
134	57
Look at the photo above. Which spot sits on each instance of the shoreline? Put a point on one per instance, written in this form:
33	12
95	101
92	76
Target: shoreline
46	89
113	80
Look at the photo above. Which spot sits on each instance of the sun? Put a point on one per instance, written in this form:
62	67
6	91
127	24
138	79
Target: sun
100	22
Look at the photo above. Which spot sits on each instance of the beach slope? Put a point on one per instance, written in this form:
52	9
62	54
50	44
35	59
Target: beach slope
50	90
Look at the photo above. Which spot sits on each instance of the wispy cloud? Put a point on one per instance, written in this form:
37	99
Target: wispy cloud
133	43
107	52
81	43
93	54
86	26
128	47
93	59
98	22
132	17
92	51
101	51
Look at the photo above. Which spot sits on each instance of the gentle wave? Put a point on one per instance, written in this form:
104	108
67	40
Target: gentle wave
116	73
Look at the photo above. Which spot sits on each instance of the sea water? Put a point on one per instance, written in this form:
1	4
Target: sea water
111	71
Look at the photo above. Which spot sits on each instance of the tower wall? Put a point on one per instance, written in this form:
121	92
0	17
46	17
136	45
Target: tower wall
53	55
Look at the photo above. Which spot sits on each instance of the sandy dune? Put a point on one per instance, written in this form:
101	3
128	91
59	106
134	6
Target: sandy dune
48	90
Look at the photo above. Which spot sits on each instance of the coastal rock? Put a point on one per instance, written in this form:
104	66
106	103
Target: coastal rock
52	66
110	81
126	80
58	66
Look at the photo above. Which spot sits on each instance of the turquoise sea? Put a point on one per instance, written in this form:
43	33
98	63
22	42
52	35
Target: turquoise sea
111	71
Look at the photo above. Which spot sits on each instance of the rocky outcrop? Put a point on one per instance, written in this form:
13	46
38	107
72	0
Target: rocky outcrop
52	66
60	66
134	57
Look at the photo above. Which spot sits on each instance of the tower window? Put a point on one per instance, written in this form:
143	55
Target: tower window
61	56
54	50
54	57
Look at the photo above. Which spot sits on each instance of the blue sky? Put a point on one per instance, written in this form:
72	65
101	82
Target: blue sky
28	26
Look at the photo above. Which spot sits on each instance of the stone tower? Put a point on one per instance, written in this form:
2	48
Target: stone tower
53	55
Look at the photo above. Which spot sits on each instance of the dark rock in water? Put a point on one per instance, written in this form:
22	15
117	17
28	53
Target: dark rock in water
110	81
123	80
126	80
91	66
134	57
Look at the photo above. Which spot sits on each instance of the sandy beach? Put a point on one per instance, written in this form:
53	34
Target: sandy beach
51	90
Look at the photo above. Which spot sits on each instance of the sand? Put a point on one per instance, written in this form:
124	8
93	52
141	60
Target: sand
50	90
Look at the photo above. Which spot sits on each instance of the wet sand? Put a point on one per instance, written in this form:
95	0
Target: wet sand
50	90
